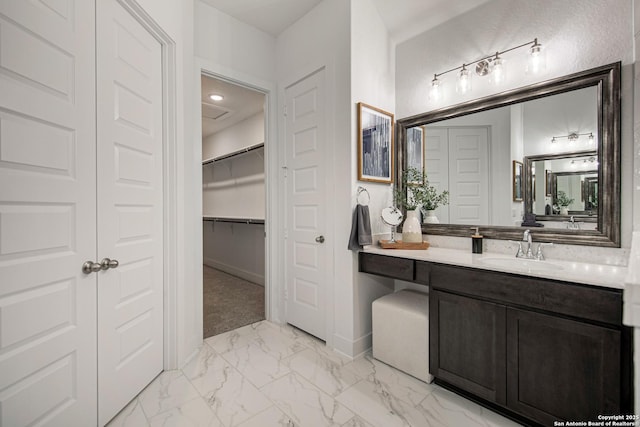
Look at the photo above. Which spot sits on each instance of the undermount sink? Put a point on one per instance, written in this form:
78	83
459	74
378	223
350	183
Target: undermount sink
521	264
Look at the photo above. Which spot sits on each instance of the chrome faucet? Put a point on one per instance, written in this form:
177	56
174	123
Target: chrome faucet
528	253
572	224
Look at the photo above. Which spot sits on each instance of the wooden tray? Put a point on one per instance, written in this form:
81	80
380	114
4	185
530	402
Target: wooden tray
399	244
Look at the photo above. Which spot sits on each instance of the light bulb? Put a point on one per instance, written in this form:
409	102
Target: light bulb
591	138
536	62
464	80
553	140
498	71
436	92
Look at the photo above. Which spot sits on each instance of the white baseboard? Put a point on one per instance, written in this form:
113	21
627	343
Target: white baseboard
350	348
234	271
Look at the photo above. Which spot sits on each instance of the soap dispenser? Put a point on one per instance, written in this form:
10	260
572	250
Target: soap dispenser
476	241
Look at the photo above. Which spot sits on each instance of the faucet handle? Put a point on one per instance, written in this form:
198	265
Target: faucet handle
539	255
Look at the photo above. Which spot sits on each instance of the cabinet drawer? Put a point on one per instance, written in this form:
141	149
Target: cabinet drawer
396	268
587	302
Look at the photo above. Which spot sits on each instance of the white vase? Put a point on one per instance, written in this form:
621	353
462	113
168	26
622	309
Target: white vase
431	218
411	229
564	210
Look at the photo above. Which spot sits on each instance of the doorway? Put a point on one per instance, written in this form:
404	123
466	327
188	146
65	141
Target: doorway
233	204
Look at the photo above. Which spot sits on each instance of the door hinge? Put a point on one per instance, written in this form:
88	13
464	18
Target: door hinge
286	294
284	110
286	233
285	171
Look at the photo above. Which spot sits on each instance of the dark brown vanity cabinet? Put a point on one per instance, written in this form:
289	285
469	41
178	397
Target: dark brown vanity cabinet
539	349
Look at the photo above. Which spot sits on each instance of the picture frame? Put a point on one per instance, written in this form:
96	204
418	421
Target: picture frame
375	144
518	180
415	149
547	182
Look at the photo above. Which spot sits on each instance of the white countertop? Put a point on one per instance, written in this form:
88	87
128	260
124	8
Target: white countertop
609	276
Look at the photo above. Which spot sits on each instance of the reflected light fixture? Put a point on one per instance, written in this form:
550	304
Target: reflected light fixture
493	65
436	90
573	137
464	80
216	97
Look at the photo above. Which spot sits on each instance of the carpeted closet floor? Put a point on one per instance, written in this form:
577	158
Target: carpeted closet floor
229	302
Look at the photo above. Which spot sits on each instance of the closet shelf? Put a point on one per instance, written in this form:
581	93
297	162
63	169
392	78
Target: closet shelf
233	154
233	220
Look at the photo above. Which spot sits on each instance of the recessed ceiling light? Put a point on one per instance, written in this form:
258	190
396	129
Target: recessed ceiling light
216	97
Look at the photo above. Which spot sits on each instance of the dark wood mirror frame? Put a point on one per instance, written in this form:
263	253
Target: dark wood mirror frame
607	80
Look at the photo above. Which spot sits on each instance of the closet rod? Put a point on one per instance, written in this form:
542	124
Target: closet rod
233	154
234	220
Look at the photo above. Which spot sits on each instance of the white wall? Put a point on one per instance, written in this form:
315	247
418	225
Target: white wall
372	82
237	249
576	34
236	50
234	187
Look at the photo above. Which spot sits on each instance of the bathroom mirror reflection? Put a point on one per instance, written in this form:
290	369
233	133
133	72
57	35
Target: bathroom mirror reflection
568	190
469	150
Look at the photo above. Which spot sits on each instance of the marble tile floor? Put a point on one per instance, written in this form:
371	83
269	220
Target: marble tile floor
266	374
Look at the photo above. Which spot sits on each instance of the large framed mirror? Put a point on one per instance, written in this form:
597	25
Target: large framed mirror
565	131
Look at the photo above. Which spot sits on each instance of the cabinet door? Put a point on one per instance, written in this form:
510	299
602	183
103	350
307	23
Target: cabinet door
467	344
560	369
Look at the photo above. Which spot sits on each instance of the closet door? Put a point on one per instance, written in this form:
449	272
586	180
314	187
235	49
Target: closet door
47	213
130	207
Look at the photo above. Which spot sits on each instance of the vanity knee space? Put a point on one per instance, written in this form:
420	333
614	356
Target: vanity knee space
400	329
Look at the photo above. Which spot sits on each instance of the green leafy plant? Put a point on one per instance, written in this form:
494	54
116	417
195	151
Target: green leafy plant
562	199
417	192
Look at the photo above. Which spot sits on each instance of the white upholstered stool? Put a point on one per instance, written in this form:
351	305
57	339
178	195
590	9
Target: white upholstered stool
401	332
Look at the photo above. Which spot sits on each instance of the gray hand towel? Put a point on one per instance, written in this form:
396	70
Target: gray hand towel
360	228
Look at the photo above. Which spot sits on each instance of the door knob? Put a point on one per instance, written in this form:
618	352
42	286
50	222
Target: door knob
320	239
91	267
107	263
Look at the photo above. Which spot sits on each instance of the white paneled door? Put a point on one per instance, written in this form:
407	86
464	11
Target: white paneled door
469	175
47	213
130	221
74	347
306	257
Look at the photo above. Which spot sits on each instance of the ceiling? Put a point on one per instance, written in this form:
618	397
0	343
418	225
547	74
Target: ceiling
403	18
239	103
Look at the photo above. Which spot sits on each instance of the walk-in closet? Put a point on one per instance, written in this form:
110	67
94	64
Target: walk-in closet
233	204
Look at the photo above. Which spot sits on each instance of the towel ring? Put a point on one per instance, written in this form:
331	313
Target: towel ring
360	191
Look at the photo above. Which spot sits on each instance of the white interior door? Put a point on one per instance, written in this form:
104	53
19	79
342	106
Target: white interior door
47	213
305	234
130	207
469	175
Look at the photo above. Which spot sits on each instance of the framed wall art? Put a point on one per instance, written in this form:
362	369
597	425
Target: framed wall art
375	144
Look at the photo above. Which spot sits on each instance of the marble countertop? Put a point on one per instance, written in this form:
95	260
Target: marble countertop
609	276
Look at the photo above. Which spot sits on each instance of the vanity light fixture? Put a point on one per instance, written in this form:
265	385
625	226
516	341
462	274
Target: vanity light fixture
573	137
492	65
